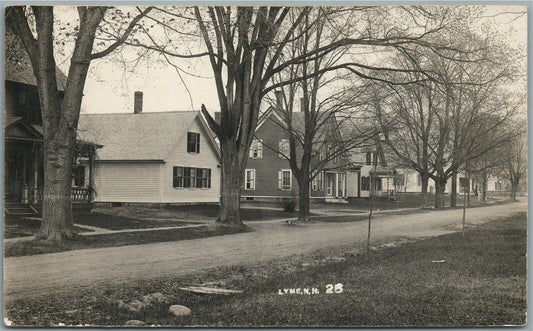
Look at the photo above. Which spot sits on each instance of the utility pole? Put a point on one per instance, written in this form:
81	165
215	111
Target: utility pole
467	191
372	192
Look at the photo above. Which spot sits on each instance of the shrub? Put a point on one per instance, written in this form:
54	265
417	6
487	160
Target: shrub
289	204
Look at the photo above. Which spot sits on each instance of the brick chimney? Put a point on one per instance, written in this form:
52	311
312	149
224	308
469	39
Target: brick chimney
138	103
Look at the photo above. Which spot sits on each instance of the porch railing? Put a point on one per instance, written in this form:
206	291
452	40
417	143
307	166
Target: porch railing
80	194
76	194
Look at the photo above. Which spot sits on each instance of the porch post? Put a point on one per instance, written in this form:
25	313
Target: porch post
91	180
336	185
35	187
345	181
25	188
359	183
325	184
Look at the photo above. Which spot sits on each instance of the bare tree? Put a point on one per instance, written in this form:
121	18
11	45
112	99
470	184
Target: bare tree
515	167
440	122
35	27
323	131
406	117
245	47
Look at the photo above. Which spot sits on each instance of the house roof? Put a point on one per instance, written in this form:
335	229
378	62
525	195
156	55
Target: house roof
20	128
298	123
17	66
145	136
8	121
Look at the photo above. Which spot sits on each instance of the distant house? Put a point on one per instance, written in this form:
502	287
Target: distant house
496	186
156	157
268	174
23	134
376	175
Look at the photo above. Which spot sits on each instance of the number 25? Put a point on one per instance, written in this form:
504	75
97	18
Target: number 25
337	288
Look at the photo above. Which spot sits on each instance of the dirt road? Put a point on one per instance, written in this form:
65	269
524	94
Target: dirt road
41	274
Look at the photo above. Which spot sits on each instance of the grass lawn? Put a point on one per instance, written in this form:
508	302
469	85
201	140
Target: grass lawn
357	218
194	212
412	200
19	227
477	280
117	222
34	247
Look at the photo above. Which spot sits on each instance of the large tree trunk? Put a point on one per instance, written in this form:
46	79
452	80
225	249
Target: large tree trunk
57	220
304	200
232	176
453	193
60	119
514	188
484	187
440	188
424	192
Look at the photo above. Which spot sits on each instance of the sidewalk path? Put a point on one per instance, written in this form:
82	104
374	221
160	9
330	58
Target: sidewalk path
99	231
29	276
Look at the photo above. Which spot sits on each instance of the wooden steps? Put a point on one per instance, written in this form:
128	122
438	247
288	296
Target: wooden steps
19	209
25	210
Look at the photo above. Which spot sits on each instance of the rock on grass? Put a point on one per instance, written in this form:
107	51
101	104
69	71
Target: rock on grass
179	310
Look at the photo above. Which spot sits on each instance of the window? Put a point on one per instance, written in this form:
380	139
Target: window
256	150
191	177
249	179
177	178
78	172
284	180
332	154
365	183
193	142
418	180
318	182
203	178
371	158
22	97
283	148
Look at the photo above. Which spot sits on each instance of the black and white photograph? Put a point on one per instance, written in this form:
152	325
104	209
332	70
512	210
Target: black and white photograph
265	164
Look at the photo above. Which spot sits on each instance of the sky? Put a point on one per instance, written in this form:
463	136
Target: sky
110	86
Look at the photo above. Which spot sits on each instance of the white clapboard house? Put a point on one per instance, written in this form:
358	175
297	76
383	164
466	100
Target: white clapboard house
153	157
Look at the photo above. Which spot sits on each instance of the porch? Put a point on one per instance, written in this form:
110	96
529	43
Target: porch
379	182
24	171
335	184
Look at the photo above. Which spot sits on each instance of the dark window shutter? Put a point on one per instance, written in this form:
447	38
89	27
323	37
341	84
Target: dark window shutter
199	177
197	143
186	177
